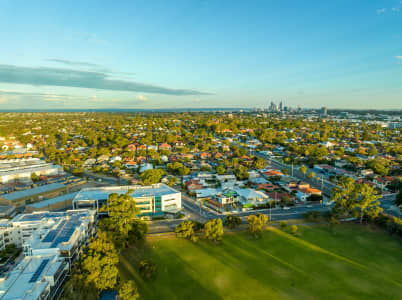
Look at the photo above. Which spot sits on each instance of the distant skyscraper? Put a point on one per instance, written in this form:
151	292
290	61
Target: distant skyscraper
273	107
280	106
323	111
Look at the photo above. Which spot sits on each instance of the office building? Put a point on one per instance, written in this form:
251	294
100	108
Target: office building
154	200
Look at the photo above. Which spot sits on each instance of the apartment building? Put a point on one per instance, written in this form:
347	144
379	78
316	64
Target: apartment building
51	243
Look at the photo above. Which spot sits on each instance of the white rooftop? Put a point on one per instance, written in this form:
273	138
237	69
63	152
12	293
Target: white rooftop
138	191
25	281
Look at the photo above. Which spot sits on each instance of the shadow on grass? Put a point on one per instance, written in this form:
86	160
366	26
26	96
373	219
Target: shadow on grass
175	279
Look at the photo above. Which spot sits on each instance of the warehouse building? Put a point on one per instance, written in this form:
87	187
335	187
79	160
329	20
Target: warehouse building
25	197
61	202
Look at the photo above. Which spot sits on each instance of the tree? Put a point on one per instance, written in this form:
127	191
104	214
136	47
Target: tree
186	230
379	166
293	229
344	195
138	231
34	177
241	172
100	263
259	163
372	150
152	176
184	171
256	223
311	175
174	167
213	230
172	180
303	170
285	171
77	288
232	221
122	217
147	269
367	202
283	224
220	170
128	291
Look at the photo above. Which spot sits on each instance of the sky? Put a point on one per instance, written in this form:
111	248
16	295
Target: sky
200	53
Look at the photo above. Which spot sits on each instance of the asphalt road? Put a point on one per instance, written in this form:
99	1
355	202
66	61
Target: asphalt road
276	214
319	183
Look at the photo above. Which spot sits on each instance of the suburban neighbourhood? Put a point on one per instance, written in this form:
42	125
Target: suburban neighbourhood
66	176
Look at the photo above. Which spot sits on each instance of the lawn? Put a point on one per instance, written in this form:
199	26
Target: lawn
354	263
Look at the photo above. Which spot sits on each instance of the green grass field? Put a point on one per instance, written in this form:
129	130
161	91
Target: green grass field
354	263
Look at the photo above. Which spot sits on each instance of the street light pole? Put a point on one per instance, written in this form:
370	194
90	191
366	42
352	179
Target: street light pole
270	209
200	208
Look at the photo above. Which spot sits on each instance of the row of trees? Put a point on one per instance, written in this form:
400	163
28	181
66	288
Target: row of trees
213	229
97	270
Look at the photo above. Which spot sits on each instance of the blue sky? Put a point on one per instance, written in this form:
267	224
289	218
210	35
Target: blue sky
205	53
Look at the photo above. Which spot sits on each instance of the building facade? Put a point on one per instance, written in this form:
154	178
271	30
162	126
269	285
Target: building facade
51	243
153	200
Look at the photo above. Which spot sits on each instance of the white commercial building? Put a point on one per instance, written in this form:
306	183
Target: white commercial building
23	169
251	196
152	200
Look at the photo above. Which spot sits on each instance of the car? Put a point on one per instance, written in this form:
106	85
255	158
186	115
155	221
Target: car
286	208
309	206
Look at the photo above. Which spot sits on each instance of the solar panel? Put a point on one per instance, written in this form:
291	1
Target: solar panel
50	236
39	270
64	235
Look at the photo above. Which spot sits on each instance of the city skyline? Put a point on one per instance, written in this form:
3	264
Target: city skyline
188	54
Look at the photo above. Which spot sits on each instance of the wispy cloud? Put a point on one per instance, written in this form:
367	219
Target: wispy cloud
396	9
44	76
32	99
381	11
73	63
141	98
44	96
86	66
398	57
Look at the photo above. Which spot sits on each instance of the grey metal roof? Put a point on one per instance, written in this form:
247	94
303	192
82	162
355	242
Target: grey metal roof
48	202
31	192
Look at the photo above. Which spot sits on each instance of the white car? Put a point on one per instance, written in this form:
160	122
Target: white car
286	208
309	206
